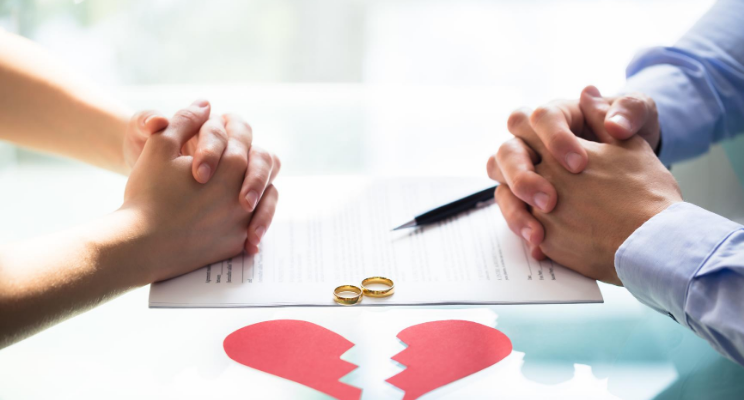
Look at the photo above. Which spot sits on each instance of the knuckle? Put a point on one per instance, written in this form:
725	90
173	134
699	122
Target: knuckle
232	116
501	154
168	140
507	149
187	115
209	153
263	156
516	118
272	192
218	132
633	101
541	113
521	183
235	158
491	164
650	105
277	162
502	199
558	140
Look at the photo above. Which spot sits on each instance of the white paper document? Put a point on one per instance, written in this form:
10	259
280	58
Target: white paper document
334	231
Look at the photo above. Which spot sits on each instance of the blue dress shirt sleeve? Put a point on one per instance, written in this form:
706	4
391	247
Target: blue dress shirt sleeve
698	84
689	263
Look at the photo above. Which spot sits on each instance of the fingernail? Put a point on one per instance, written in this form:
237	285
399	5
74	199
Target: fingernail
574	161
148	119
526	232
541	200
252	198
621	121
203	172
259	234
201	103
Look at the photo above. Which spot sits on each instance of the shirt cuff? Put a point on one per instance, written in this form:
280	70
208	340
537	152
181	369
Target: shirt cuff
661	74
659	260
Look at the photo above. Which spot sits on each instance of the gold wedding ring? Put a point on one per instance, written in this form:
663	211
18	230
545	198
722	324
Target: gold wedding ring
378	293
347	301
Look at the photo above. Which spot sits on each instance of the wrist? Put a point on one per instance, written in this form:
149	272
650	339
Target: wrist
122	241
120	136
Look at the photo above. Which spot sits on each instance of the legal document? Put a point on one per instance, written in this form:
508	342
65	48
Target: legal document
333	231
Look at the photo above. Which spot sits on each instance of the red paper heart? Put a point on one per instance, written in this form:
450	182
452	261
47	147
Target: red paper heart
442	352
296	350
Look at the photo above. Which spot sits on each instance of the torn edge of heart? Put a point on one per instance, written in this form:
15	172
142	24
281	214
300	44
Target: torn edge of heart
441	352
300	351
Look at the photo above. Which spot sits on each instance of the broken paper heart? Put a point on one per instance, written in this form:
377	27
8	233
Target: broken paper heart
438	353
441	352
296	350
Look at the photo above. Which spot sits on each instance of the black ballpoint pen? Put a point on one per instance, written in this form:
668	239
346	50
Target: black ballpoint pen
443	212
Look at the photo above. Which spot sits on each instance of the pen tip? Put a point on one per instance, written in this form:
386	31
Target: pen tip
409	224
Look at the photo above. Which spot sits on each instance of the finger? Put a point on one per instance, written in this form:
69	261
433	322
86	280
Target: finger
185	124
519	125
211	143
516	163
257	177
536	252
238	129
519	219
555	124
261	219
241	134
595	107
276	168
632	114
493	170
148	122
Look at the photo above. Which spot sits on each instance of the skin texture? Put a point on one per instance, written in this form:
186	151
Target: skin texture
48	108
175	217
560	126
168	225
208	147
622	186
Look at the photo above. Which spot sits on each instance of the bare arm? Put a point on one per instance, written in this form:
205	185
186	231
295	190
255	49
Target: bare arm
54	277
169	225
45	107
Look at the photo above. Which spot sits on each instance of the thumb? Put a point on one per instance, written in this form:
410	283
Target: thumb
594	107
186	123
144	124
633	114
141	126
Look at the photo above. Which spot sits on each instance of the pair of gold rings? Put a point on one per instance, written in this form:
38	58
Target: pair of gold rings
358	293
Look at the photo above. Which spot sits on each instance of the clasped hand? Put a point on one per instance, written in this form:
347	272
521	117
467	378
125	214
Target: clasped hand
581	176
198	190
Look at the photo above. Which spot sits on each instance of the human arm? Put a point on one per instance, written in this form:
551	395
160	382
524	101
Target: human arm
680	99
685	97
623	221
168	225
697	84
46	107
688	263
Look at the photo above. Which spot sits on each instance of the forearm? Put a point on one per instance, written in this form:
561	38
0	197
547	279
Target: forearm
700	284
697	84
48	279
44	107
